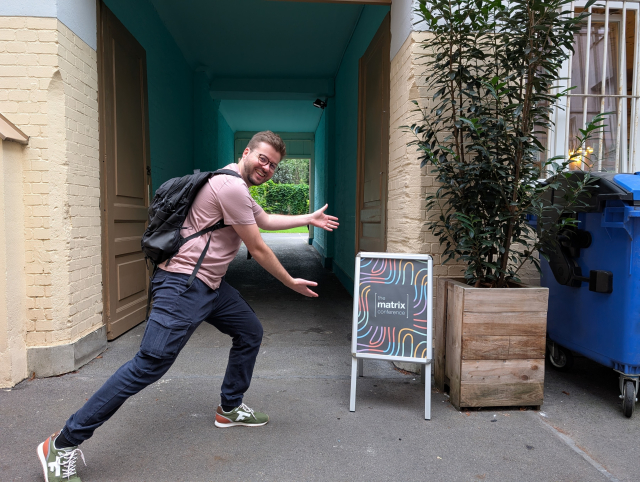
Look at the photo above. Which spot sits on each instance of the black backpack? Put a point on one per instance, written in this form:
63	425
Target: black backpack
173	199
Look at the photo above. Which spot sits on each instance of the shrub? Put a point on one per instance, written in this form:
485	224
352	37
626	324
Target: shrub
493	66
282	198
292	171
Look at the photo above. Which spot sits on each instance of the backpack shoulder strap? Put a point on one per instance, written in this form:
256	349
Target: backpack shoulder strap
228	172
220	224
216	226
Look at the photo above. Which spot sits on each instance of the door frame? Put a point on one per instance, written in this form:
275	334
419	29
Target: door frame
101	155
103	122
383	30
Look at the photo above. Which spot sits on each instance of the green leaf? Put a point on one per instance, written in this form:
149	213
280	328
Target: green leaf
479	138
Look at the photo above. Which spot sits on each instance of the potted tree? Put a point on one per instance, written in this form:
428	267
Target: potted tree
492	67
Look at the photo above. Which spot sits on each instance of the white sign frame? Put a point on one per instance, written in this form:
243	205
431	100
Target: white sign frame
357	358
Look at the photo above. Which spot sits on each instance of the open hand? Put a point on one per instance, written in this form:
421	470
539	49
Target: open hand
302	286
323	221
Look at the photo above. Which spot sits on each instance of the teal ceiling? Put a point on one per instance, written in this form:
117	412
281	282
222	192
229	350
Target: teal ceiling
275	115
260	38
265	60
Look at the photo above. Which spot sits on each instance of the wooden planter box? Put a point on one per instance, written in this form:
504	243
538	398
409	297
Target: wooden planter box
490	344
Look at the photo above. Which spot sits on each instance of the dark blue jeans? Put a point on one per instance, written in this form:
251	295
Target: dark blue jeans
177	312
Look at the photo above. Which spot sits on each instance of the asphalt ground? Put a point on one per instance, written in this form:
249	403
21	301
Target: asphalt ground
302	379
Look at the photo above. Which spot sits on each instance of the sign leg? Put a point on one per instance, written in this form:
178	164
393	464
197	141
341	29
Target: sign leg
360	367
354	378
427	391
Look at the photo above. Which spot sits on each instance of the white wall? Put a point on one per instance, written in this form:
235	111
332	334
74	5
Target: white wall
403	21
78	15
32	8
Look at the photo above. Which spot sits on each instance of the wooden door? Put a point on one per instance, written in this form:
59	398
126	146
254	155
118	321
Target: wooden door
125	175
373	143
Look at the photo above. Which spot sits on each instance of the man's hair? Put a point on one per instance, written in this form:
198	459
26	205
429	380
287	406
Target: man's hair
274	140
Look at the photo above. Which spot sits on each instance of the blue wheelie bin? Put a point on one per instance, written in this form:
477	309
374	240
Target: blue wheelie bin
594	284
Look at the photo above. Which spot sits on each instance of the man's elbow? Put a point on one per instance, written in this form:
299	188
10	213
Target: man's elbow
264	222
257	250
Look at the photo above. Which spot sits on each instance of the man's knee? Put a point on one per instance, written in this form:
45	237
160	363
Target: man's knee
252	336
258	333
150	368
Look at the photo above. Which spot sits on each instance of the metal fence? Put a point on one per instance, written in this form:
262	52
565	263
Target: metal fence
603	72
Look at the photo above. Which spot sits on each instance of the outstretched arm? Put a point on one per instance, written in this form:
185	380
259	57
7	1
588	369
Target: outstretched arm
276	222
250	235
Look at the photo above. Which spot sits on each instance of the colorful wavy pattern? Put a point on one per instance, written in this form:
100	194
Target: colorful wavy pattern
408	341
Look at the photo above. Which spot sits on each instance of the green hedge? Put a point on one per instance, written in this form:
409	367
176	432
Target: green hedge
292	171
282	198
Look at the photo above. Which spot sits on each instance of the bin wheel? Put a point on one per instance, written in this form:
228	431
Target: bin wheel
628	398
563	361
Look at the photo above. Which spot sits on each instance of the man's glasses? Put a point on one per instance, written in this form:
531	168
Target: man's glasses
264	161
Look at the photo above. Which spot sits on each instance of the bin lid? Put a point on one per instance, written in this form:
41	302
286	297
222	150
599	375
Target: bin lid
607	186
630	183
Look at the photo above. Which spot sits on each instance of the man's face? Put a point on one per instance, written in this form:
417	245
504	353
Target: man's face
259	165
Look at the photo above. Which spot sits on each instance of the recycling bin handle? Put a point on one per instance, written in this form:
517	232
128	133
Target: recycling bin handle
619	217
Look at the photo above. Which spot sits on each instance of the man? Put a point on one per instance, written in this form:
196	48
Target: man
178	309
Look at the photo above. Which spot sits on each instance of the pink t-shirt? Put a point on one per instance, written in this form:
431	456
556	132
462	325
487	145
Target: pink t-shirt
224	197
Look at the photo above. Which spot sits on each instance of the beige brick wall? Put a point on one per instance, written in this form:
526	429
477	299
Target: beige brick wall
409	185
13	353
49	89
78	64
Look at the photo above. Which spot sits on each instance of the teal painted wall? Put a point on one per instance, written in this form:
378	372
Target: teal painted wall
345	134
225	142
213	137
205	125
320	165
170	90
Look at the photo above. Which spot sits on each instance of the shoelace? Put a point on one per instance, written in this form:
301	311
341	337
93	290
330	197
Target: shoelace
68	461
247	409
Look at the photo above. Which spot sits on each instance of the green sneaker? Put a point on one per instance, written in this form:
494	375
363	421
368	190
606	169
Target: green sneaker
58	464
240	416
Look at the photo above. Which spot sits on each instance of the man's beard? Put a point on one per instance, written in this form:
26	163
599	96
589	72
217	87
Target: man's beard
248	170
